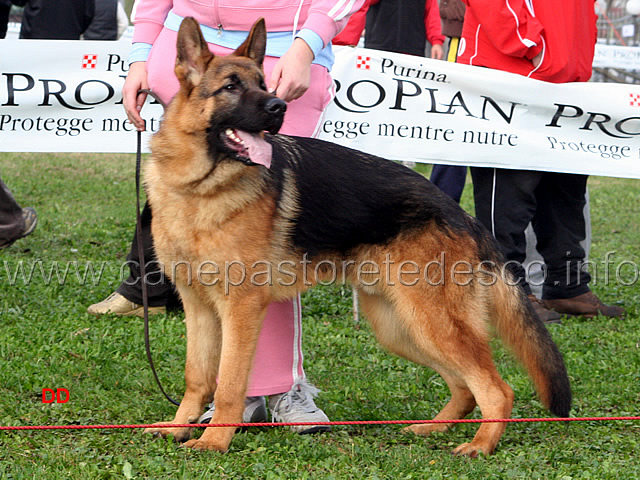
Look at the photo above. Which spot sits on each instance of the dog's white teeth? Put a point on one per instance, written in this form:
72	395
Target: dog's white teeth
231	134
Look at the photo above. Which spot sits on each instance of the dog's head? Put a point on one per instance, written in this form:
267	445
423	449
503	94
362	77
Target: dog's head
230	92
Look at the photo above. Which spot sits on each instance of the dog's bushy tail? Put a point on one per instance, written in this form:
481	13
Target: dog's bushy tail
520	329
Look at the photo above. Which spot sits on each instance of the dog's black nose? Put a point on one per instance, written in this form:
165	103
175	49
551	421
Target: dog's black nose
275	106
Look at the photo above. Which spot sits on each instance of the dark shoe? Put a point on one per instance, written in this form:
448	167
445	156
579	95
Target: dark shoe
547	316
586	305
30	222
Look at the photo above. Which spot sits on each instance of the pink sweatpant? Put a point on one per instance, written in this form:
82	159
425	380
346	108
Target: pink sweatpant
278	360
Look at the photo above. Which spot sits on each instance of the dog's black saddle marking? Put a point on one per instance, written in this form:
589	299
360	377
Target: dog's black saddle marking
349	198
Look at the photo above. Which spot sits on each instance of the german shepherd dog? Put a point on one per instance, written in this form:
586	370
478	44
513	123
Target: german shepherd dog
228	195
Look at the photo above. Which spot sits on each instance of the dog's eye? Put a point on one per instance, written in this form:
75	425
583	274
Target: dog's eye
230	86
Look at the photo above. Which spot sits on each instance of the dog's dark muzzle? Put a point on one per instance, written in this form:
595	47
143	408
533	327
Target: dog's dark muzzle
275	108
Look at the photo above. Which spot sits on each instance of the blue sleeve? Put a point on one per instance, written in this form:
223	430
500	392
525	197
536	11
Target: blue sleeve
313	40
139	52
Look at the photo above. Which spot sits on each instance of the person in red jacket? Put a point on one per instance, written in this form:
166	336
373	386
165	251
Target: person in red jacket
352	32
553	41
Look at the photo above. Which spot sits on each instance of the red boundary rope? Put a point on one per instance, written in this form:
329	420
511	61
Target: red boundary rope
291	424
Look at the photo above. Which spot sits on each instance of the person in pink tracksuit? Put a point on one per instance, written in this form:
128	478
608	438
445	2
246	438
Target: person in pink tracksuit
297	68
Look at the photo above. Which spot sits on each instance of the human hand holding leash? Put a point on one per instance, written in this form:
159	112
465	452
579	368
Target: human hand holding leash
135	81
292	74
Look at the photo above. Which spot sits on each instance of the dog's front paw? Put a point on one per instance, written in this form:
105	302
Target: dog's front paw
471	450
217	439
425	429
199	444
180	434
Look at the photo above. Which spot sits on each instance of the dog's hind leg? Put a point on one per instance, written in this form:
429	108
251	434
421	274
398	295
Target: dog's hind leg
203	349
468	368
241	320
460	405
494	398
456	350
392	334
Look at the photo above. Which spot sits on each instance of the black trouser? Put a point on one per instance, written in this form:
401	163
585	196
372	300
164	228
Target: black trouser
4	18
507	200
450	179
160	291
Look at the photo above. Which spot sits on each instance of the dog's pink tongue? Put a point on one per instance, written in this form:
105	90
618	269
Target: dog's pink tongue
259	149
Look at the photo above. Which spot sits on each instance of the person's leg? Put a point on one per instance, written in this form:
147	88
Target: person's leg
561	230
534	263
127	299
560	227
277	369
450	179
159	289
279	350
505	204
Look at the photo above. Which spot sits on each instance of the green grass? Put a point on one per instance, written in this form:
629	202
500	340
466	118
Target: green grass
86	208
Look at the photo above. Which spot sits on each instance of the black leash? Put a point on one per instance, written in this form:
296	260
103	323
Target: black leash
145	296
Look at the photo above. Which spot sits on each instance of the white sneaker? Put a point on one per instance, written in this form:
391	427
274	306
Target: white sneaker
297	405
255	411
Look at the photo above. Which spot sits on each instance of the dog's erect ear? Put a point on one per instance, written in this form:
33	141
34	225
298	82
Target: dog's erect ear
255	44
193	54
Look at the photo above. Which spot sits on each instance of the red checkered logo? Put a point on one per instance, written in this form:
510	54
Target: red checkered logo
634	99
363	63
89	61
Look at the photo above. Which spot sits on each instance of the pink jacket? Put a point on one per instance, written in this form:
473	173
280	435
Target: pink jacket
508	34
324	17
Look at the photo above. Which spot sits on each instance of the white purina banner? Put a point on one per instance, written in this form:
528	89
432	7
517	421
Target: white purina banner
64	96
616	56
412	108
